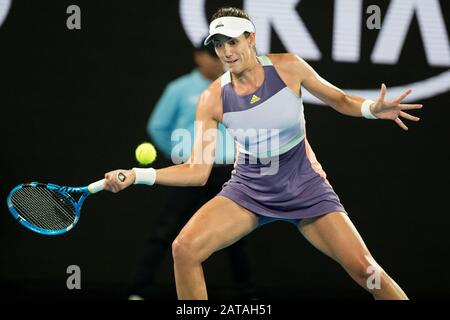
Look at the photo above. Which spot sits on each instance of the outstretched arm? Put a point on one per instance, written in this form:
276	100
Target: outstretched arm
352	105
196	171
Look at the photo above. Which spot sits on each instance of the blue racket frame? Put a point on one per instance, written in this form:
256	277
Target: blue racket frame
64	191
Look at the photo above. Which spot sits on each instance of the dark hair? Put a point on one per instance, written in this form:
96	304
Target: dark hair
231	12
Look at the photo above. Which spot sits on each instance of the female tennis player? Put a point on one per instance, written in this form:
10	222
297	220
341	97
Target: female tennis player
276	176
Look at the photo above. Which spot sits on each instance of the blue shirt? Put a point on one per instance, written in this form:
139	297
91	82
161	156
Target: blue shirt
176	110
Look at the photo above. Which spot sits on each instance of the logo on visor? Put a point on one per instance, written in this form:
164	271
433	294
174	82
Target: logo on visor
220	24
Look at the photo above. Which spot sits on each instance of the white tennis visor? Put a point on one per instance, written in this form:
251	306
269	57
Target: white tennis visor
229	26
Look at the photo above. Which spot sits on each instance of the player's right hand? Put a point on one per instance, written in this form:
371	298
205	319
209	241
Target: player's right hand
118	180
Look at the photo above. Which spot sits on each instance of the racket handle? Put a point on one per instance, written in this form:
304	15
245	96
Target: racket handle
96	186
99	185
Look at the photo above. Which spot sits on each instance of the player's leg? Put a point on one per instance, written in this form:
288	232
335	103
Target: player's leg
335	235
217	224
238	253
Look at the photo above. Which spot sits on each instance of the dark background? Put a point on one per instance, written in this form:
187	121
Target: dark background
74	104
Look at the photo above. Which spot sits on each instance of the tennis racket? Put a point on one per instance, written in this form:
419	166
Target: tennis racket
50	209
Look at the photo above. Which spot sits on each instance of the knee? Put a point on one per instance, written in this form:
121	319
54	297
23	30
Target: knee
365	270
185	250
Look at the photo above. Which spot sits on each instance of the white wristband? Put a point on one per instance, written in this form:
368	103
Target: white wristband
365	109
145	176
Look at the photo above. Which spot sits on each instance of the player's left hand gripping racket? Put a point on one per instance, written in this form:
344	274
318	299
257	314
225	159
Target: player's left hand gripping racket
49	209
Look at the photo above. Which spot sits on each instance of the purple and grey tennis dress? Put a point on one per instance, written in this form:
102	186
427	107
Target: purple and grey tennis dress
276	174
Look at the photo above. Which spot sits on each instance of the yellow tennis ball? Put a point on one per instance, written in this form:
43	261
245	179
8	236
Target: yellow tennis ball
145	153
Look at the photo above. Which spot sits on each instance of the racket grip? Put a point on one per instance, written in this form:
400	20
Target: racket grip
96	186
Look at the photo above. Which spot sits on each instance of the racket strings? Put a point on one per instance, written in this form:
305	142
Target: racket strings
42	199
44	208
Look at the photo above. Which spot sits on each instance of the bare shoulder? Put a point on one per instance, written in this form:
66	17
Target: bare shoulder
291	69
211	100
291	65
286	61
